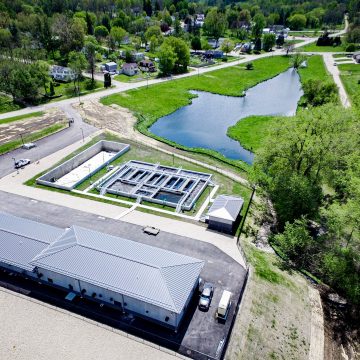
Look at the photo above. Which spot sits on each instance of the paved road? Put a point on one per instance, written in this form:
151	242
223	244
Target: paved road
49	144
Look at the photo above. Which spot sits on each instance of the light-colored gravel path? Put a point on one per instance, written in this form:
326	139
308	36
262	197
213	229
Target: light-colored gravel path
30	329
334	71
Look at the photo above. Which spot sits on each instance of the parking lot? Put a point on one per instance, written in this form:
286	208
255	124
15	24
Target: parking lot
200	335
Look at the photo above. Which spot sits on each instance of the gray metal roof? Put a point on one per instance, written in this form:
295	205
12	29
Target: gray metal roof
22	239
226	207
144	272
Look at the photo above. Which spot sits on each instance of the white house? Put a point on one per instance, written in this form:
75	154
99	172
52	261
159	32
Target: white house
130	69
61	73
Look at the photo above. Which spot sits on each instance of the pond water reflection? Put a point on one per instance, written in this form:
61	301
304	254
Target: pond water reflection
204	123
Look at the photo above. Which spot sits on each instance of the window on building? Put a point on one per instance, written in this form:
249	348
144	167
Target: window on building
167	319
93	294
71	287
50	280
117	303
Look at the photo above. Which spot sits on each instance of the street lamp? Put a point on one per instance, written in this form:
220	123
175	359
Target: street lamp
82	132
22	140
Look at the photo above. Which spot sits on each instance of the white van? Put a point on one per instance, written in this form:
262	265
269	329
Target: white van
224	305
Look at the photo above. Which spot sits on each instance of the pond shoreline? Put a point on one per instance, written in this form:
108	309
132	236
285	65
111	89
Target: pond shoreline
185	126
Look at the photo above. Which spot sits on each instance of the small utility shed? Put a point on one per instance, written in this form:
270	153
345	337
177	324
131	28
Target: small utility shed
224	213
150	282
21	240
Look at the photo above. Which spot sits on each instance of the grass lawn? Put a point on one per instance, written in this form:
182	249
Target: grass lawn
67	89
316	70
31	137
7	105
350	76
313	48
252	131
64	89
335	56
161	99
144	153
313	33
135	78
21	117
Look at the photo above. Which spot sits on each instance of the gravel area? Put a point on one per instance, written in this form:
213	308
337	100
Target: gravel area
33	330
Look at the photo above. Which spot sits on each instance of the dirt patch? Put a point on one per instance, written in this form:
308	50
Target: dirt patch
113	117
11	131
342	330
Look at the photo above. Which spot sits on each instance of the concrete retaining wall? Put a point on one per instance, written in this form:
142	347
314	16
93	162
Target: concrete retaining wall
69	165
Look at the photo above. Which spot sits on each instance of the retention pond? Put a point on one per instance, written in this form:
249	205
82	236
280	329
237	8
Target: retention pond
204	123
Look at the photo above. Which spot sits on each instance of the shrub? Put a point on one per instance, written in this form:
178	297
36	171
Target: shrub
89	84
249	66
350	47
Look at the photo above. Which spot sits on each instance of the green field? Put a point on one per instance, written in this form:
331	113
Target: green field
305	34
151	103
66	90
135	78
350	76
21	117
252	131
313	48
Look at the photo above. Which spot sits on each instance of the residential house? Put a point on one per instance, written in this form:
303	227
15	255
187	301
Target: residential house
130	69
147	65
61	73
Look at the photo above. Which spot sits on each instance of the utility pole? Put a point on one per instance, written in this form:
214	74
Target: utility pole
22	140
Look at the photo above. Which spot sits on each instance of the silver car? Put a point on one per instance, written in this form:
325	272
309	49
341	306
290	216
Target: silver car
206	296
28	146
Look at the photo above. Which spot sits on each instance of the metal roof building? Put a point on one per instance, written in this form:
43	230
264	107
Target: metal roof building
224	213
22	239
149	282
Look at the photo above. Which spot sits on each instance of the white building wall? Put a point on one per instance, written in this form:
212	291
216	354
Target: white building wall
139	307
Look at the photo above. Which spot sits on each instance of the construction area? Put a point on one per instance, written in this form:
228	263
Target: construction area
170	186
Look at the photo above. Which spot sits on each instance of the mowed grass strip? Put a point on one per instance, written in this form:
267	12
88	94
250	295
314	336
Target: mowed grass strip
350	77
21	117
313	48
